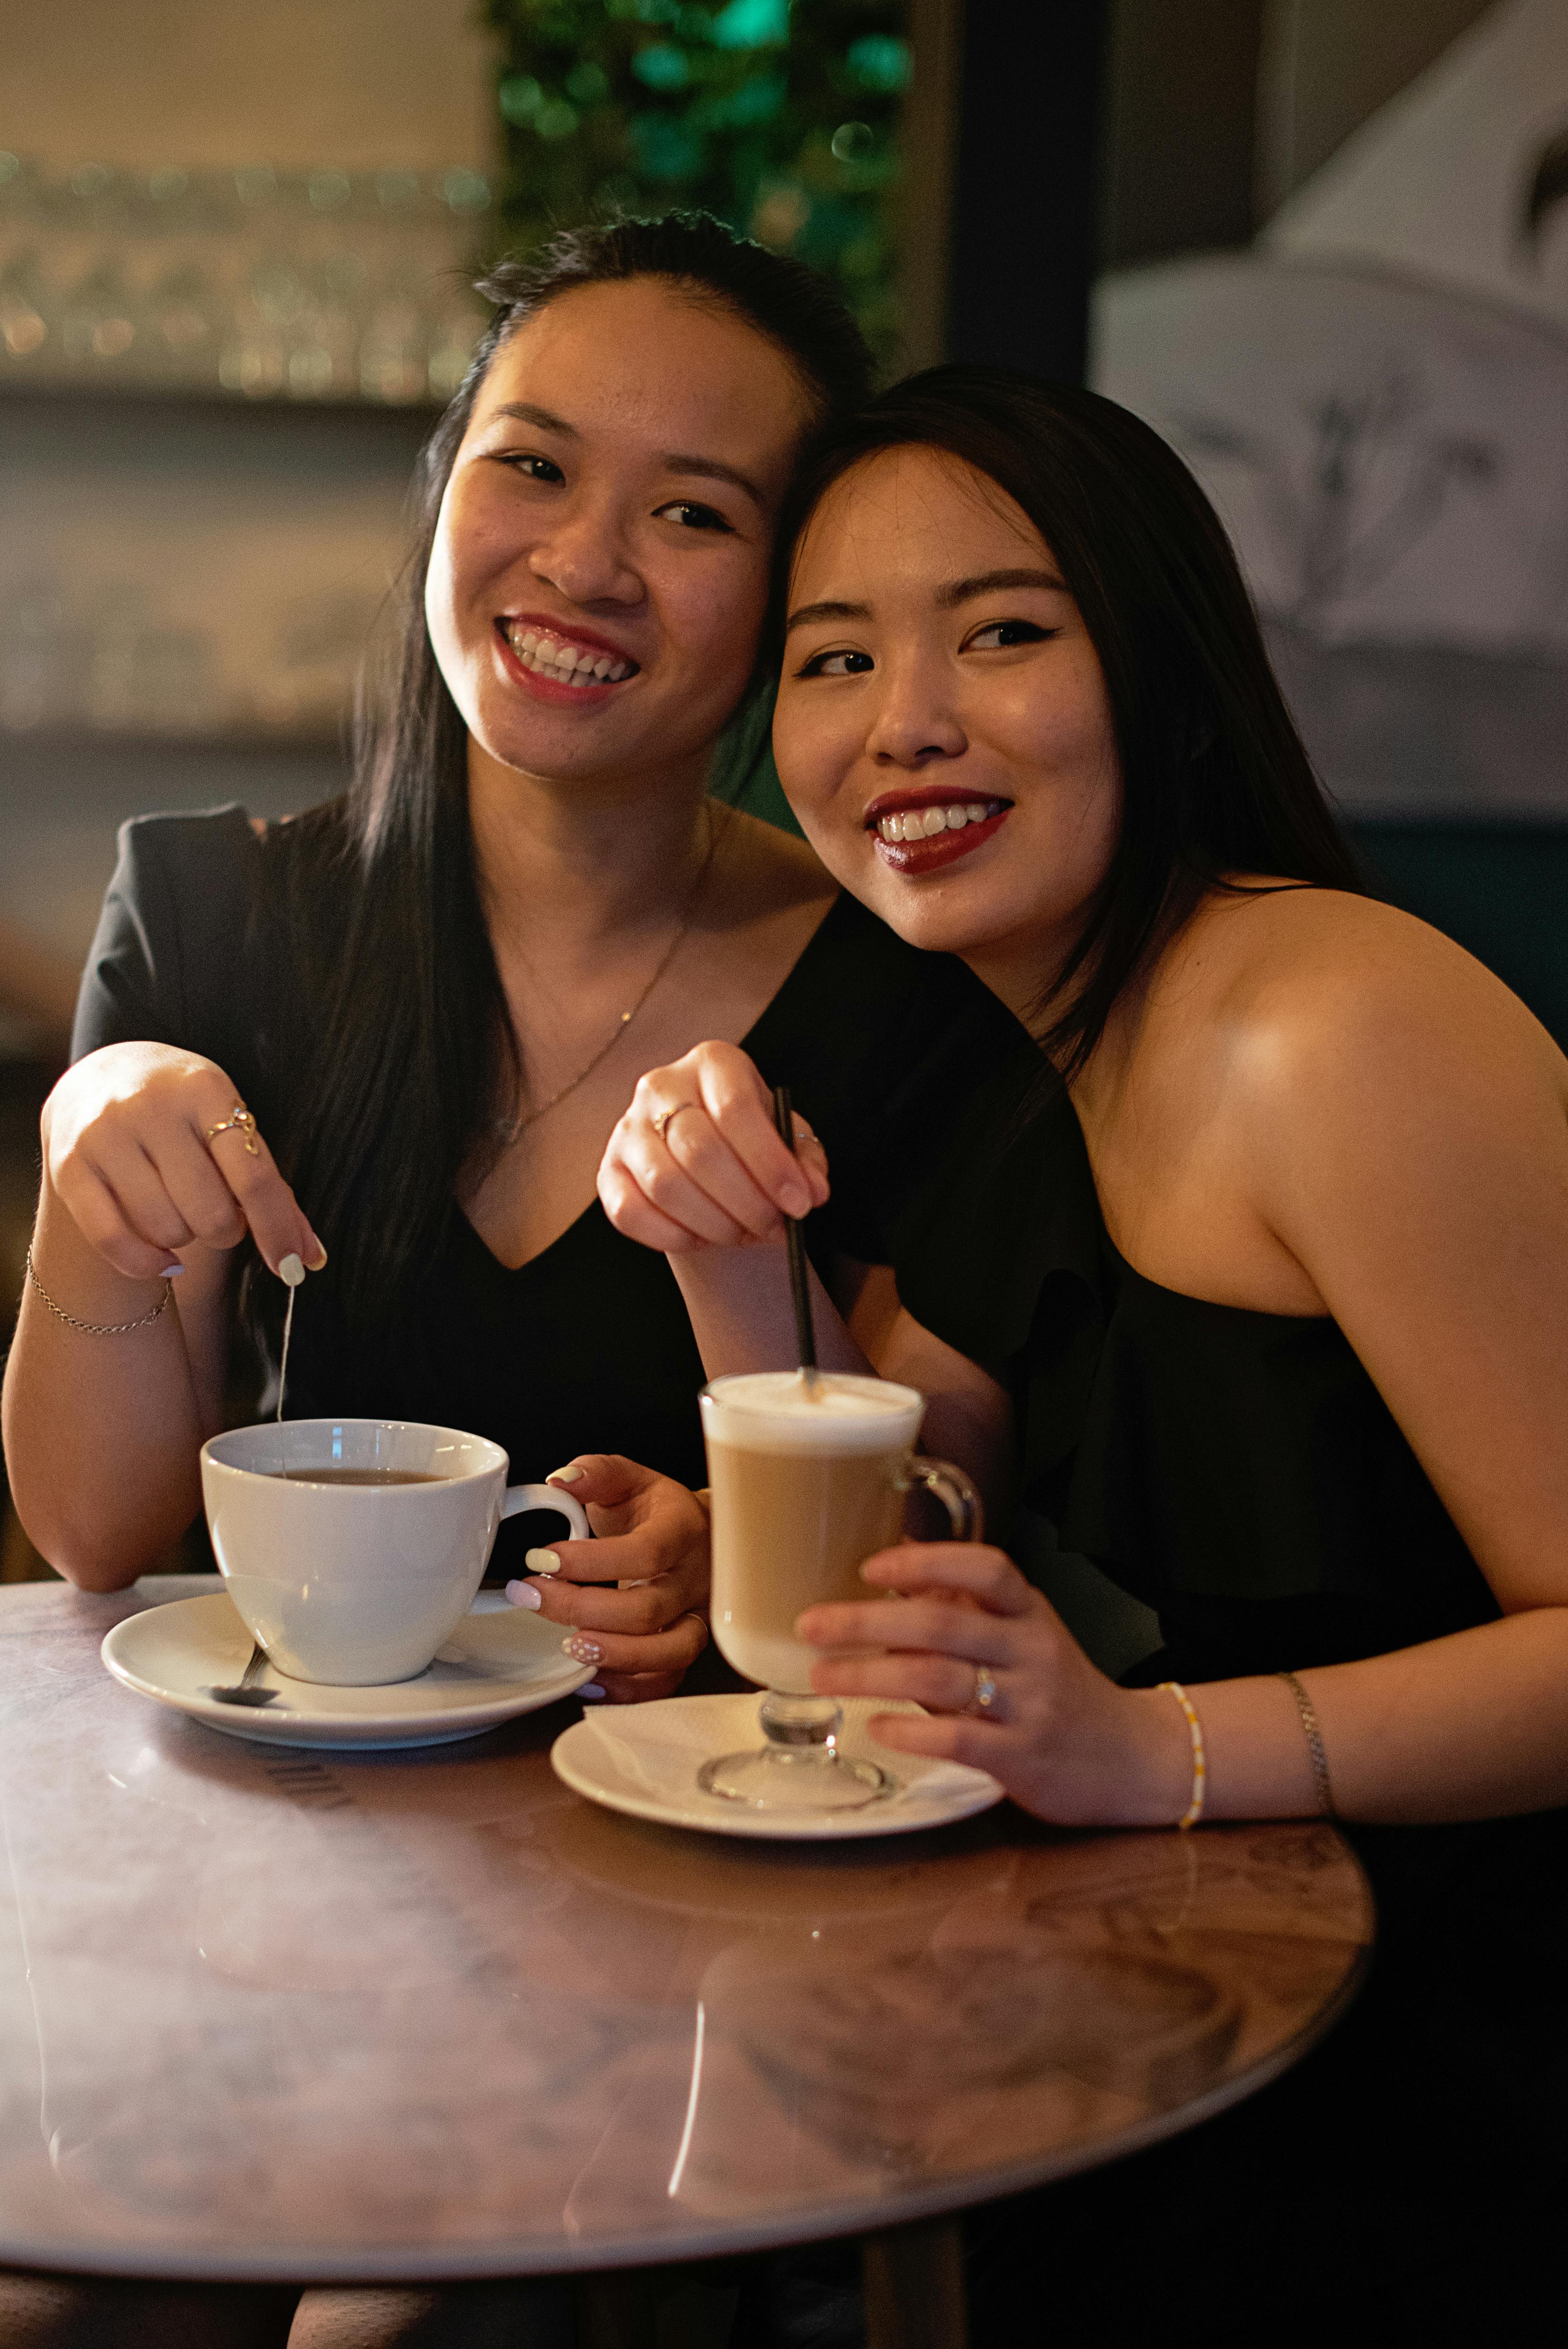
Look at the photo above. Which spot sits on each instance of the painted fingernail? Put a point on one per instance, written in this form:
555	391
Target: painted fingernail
582	1650
170	1271
319	1259
524	1594
591	1692
563	1475
542	1561
291	1271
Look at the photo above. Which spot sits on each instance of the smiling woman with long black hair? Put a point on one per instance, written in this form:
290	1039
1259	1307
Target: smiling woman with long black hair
1267	1238
404	1024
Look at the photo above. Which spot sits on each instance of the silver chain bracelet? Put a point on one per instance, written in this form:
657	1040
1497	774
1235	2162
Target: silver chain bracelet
95	1329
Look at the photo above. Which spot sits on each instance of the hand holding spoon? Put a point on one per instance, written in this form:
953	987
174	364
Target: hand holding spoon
290	1272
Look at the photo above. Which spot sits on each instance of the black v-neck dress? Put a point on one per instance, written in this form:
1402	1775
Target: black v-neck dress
587	1347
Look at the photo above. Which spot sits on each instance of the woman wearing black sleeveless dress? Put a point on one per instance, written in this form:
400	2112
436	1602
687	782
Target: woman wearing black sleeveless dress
1267	1242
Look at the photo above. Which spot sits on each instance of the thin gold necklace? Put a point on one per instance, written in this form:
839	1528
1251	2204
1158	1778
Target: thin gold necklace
509	1128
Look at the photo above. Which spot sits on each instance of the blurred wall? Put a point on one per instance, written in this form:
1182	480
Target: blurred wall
214	83
186	577
1375	388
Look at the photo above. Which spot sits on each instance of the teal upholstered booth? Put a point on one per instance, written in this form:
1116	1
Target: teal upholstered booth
1499	889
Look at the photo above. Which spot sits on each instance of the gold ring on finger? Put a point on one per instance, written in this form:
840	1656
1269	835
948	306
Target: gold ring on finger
664	1116
239	1121
984	1696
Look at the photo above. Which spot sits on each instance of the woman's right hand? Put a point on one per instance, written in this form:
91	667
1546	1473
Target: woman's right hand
125	1152
696	1162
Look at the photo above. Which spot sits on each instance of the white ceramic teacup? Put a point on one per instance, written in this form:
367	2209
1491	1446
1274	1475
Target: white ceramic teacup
359	1584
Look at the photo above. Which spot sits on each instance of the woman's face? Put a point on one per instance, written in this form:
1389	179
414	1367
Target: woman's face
943	729
600	567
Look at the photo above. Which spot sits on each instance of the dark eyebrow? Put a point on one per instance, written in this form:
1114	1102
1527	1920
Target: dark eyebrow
707	469
992	583
710	469
809	614
543	417
961	591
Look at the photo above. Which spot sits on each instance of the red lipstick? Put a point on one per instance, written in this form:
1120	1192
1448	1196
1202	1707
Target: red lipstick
983	815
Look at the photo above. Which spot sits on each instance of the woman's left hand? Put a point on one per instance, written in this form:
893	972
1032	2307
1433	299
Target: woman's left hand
1065	1742
651	1535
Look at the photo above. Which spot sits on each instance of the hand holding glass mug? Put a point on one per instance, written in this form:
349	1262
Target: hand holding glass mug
697	1162
1004	1685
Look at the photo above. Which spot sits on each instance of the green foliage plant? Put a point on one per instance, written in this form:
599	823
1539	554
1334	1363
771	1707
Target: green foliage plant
782	120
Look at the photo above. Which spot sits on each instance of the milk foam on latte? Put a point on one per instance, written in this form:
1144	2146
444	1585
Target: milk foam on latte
807	1481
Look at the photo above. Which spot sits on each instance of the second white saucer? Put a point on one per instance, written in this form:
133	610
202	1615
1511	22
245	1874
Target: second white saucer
642	1759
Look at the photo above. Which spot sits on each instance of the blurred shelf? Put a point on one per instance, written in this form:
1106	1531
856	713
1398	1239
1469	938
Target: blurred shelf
51	744
409	423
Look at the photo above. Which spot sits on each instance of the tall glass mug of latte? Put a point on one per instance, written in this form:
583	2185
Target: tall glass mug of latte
809	1474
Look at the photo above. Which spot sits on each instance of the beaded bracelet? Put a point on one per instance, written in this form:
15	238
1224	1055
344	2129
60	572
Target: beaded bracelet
1194	1810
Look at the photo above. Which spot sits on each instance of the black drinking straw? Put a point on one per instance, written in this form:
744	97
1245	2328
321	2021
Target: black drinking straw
800	1289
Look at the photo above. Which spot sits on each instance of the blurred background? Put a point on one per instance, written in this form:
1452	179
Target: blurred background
1322	246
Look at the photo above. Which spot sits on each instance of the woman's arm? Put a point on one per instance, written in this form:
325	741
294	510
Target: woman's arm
1472	1726
712	1187
102	1431
1400	1127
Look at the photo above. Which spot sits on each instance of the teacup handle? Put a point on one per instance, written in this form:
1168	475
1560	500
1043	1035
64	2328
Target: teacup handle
547	1496
952	1487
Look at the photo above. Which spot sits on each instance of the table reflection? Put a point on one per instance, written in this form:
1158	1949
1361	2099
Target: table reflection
315	2014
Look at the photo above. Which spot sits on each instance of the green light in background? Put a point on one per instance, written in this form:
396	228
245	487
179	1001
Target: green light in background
751	25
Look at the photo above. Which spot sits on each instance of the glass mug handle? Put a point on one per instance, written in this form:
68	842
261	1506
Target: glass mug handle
951	1486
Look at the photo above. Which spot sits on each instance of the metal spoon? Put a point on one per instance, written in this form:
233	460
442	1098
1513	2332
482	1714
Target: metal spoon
245	1690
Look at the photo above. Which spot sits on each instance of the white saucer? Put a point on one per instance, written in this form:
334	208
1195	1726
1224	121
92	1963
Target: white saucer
642	1759
499	1662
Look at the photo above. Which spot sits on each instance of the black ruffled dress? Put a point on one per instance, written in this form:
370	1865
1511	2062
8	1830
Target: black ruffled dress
1240	1473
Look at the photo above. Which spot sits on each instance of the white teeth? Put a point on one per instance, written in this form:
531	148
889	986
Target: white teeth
550	656
924	823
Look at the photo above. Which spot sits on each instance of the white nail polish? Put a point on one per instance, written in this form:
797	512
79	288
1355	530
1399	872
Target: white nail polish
524	1594
171	1272
591	1692
563	1475
542	1561
291	1271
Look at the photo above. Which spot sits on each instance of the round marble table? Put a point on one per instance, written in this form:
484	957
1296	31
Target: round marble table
271	2014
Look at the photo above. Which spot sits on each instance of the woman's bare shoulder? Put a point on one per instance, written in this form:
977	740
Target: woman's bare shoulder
1326	998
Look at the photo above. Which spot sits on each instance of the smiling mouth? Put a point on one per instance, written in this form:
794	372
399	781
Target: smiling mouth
918	834
560	660
930	820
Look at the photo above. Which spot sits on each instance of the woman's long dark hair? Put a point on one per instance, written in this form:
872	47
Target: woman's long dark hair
413	1063
1215	780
